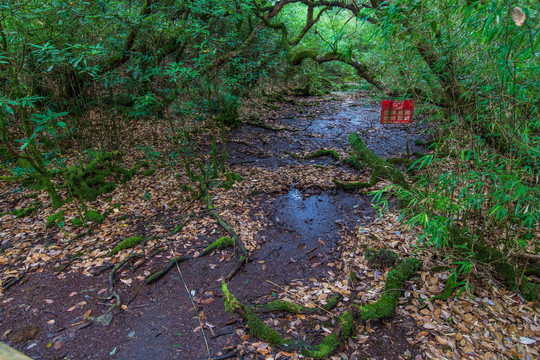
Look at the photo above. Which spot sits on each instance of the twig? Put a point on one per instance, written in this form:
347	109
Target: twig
201	324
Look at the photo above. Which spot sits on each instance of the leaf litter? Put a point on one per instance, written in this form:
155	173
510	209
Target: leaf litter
486	322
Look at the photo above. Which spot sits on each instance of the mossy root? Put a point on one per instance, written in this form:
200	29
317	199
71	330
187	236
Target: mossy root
385	306
159	274
126	244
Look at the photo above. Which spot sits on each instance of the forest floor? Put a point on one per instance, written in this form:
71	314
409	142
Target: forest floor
304	237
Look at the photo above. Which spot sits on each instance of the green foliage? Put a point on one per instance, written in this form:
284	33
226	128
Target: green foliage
24	212
77	222
231	179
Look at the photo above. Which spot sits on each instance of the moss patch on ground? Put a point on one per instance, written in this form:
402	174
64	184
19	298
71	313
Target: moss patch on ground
380	258
95	216
20	213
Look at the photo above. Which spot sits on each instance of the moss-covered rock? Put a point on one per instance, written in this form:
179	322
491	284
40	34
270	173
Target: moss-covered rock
55	219
126	244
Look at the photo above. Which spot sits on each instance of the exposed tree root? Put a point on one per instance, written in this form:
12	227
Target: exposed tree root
159	274
281	305
381	167
221	243
237	241
385	306
399	161
12	282
345	323
322	152
357	185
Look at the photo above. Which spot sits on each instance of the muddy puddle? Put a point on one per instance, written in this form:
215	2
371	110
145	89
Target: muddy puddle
316	217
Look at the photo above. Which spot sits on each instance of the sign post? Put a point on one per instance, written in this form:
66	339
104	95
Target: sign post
398	112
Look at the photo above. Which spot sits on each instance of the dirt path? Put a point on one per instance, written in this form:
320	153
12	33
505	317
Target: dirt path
296	238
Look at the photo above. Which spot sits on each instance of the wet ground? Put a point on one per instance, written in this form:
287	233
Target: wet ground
304	228
323	123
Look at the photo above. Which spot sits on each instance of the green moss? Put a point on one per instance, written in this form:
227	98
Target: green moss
126	244
149	172
77	222
384	307
281	305
55	219
380	258
347	323
451	285
380	166
332	302
221	243
488	255
324	349
95	216
256	326
100	176
25	212
297	57
399	161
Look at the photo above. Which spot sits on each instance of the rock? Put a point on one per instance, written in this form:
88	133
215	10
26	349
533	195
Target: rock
104	319
26	333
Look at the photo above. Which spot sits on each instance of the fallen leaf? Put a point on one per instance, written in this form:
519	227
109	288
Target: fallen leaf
526	341
518	16
127	281
73	294
48	301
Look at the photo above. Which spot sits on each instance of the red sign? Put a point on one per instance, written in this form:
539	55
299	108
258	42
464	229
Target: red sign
397	112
